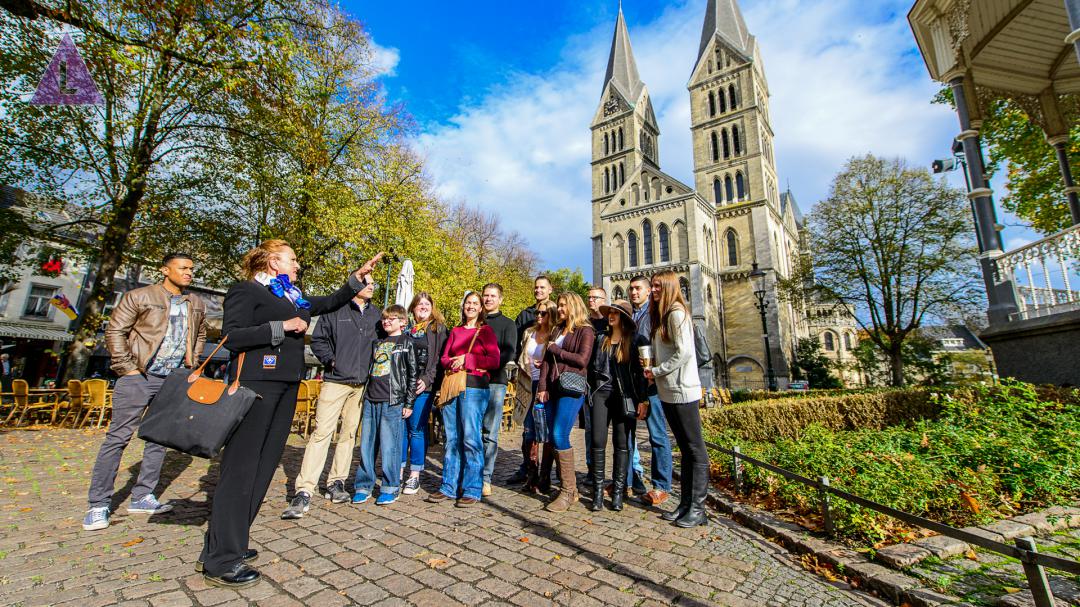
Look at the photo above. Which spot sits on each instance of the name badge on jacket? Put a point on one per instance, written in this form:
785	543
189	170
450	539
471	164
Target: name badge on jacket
269	361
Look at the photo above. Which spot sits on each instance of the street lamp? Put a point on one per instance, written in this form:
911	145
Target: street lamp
951	164
757	280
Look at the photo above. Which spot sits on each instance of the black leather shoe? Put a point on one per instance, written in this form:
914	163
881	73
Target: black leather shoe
249	556
694	517
677	513
240	576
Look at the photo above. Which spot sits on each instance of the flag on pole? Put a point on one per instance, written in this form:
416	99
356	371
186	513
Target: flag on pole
61	301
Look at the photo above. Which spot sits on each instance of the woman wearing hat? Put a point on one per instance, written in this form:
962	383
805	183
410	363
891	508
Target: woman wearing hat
617	380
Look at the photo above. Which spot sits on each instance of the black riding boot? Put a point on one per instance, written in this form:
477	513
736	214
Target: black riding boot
597	488
695	515
547	461
686	489
618	480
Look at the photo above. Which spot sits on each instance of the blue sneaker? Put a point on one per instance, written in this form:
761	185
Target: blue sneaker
148	505
360	497
386	499
96	518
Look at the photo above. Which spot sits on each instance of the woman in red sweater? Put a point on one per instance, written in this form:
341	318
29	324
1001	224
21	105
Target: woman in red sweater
471	349
563	386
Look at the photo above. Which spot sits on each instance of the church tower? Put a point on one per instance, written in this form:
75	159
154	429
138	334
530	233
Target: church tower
735	171
625	134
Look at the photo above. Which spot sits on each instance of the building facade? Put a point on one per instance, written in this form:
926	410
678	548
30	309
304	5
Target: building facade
711	233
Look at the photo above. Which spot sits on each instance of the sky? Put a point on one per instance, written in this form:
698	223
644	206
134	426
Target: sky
502	94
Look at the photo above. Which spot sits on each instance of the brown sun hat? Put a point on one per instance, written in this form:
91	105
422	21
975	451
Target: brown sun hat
624	308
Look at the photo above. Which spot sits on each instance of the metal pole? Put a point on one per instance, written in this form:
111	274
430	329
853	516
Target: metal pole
386	287
1061	146
1000	296
1036	576
1072	7
823	497
770	373
736	468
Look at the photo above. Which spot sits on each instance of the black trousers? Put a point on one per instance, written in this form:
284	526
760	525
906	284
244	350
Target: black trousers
685	422
607	407
250	458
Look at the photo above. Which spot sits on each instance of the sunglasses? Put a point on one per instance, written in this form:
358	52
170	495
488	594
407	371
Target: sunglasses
541	313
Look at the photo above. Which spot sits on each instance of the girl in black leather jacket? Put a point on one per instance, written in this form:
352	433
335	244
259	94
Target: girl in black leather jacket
619	395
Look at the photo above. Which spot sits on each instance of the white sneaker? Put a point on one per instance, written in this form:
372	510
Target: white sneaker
411	485
486	490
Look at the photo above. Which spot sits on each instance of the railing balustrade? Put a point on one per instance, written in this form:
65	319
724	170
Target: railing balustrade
1045	274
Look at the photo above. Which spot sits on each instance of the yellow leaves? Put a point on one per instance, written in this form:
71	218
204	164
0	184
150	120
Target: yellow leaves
971	555
970	502
437	563
523	540
133	542
26	509
925	442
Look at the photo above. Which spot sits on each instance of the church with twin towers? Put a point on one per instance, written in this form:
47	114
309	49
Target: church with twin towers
711	232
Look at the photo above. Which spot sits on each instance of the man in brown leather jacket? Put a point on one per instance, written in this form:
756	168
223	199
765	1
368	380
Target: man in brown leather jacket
152	331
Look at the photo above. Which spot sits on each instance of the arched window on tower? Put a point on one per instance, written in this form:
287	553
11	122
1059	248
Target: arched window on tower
607	181
606	145
620	139
736	140
740	186
712	104
622	174
731	243
732	98
723	102
665	243
618	294
618	253
717	191
729	188
631	249
683	241
727	148
715	147
829	341
684	286
848	342
646	240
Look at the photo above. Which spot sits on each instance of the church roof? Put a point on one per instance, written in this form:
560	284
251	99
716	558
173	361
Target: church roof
621	68
788	199
723	18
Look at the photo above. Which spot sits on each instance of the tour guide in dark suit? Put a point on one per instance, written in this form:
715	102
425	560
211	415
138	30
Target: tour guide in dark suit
265	318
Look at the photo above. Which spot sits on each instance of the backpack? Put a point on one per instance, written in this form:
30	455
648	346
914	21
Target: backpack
701	347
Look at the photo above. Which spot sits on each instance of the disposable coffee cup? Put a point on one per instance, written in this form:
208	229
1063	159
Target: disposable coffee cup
646	356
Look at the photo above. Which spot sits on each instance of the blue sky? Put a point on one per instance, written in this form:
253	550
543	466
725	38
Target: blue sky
502	94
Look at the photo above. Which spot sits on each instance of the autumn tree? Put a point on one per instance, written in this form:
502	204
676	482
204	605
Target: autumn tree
895	245
159	68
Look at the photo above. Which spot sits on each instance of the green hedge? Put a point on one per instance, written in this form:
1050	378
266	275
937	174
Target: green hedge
989	453
741	396
788	417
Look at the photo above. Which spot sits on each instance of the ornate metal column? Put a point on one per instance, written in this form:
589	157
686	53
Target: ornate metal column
1000	295
1061	146
1073	8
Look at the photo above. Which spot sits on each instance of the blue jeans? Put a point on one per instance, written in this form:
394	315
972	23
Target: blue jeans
661	448
463	462
414	439
588	439
562	415
380	427
492	423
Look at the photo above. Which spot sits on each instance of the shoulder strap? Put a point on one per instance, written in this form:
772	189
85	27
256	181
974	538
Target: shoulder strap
235	385
473	341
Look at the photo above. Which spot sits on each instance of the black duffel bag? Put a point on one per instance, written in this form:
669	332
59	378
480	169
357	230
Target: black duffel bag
195	414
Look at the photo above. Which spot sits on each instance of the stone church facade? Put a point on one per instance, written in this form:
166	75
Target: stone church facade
712	232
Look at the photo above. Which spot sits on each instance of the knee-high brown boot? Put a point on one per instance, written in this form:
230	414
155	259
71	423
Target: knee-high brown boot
546	462
568	495
530	450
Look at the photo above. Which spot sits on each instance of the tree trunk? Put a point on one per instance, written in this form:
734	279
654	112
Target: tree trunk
896	366
113	245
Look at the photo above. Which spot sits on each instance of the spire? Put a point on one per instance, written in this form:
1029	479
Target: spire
621	68
723	18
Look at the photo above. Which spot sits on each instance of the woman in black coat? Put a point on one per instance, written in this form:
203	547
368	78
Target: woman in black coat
265	320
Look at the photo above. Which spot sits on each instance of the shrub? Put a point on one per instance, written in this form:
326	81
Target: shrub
787	417
991	452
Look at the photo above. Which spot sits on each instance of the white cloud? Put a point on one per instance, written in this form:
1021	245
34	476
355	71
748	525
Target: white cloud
841	84
385	59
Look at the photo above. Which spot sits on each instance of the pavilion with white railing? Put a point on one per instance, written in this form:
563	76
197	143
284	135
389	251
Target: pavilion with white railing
1027	51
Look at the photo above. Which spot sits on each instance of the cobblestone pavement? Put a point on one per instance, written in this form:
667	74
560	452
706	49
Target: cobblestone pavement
506	551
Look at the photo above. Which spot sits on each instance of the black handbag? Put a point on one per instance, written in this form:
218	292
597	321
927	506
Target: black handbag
194	414
628	405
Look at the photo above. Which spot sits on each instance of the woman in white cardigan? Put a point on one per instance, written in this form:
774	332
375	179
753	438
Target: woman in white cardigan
675	372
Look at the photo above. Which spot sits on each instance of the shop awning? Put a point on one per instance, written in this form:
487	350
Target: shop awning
29	331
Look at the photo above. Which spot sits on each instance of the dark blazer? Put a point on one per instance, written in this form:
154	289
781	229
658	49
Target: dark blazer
573	356
253	317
